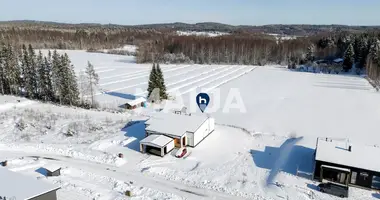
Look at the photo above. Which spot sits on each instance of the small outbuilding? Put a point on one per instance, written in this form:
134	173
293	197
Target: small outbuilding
53	170
340	161
18	186
184	130
135	103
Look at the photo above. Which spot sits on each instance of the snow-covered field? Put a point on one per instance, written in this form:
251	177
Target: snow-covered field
202	33
252	147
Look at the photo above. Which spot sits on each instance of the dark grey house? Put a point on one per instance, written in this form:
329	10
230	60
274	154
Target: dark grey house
342	162
22	187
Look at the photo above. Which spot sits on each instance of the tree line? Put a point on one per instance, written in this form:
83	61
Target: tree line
82	38
48	78
359	50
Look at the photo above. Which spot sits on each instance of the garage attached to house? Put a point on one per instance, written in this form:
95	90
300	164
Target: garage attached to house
157	144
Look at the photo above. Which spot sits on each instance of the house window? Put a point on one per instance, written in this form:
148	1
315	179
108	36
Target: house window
353	177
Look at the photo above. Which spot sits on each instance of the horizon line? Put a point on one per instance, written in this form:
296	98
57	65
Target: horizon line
167	23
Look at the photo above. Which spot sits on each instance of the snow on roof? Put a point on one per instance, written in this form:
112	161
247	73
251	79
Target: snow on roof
52	168
137	101
156	140
360	156
13	184
174	124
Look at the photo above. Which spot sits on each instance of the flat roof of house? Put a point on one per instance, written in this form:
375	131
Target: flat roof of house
158	141
133	102
174	124
13	184
336	151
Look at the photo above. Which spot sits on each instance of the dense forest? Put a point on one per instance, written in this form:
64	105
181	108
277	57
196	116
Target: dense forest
48	78
250	45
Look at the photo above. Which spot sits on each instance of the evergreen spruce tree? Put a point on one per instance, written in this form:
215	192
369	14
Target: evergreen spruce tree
42	78
93	80
47	78
13	72
69	85
161	82
56	74
24	78
32	73
152	84
310	52
348	58
2	72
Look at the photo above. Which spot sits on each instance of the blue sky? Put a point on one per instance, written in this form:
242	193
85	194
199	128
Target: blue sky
246	12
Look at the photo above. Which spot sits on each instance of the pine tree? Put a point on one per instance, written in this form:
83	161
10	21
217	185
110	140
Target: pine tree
93	80
161	83
348	58
152	80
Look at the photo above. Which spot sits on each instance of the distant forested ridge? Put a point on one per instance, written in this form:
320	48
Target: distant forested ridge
251	45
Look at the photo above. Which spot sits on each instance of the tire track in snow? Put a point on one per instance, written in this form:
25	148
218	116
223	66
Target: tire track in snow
208	82
146	82
137	77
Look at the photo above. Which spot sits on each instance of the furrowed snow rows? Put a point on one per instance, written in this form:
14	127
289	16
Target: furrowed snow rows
182	79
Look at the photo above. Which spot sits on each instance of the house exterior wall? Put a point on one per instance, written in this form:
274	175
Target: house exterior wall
47	196
206	128
170	146
354	181
190	139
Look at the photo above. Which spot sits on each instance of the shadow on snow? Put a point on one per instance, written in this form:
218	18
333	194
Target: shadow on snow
376	195
287	158
136	131
42	171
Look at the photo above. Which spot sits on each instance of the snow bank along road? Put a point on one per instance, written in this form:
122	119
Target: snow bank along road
123	174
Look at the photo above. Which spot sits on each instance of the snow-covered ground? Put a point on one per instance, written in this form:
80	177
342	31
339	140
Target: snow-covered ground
254	145
202	33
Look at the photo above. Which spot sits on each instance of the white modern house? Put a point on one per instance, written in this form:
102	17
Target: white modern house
165	131
17	186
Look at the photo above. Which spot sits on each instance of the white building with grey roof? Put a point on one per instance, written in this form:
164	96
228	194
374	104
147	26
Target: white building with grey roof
165	131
